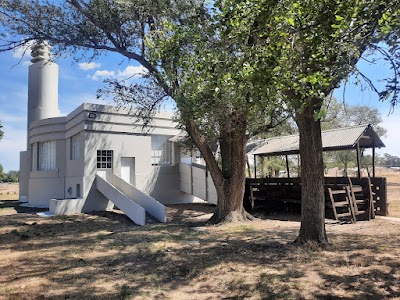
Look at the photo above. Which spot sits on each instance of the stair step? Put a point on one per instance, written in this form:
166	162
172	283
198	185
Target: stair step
341	204
336	192
344	215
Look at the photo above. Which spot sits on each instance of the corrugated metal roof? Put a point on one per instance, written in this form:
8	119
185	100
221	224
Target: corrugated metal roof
335	139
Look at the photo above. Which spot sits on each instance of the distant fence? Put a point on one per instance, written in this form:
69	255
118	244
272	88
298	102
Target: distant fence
196	180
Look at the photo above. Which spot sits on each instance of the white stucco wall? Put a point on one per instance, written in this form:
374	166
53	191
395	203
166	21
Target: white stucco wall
43	186
122	145
101	128
24	167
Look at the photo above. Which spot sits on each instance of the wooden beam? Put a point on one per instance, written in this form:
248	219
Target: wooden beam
287	166
358	160
255	166
373	159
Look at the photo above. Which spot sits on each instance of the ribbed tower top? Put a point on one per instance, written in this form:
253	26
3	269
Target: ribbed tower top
40	51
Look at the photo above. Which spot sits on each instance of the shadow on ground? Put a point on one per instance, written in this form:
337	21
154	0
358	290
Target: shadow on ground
105	256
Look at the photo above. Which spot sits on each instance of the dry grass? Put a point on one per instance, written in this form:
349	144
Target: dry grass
393	190
9	191
104	256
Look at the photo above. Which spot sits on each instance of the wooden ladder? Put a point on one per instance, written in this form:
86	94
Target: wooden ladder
362	199
341	203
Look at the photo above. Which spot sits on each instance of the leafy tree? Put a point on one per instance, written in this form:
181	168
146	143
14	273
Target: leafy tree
341	115
1	132
318	44
388	160
12	176
187	59
2	175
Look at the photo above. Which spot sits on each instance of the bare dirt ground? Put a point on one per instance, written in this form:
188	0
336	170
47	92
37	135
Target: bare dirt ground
105	256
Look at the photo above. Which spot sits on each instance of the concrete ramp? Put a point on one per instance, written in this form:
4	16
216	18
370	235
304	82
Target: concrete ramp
130	200
132	210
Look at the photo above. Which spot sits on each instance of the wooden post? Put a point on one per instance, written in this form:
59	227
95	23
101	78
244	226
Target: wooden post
373	159
298	165
206	183
248	165
358	160
384	209
255	166
287	166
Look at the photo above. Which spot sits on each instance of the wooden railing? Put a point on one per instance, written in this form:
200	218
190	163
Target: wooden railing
288	190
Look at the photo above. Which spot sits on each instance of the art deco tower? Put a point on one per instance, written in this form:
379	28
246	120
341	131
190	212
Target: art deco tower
43	85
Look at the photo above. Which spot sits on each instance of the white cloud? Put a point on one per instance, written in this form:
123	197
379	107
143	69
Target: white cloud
89	66
129	73
102	74
132	72
23	51
12	118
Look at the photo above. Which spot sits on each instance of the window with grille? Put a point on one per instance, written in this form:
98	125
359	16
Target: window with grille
75	147
47	156
161	150
104	159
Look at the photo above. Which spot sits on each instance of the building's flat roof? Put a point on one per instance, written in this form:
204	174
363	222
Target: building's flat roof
335	139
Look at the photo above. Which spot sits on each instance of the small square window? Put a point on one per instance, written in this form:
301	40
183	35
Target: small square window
104	159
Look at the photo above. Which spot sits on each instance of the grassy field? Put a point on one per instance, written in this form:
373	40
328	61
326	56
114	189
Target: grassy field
105	256
9	191
393	190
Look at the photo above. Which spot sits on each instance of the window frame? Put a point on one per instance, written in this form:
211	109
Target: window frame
162	150
104	159
46	156
75	145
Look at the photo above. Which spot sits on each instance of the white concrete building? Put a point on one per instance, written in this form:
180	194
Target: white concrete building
96	154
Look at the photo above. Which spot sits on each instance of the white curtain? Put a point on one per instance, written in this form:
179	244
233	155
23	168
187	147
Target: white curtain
47	155
75	153
161	150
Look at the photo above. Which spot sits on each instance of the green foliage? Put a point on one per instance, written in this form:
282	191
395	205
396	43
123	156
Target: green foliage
11	176
318	43
1	132
270	166
215	80
388	160
342	115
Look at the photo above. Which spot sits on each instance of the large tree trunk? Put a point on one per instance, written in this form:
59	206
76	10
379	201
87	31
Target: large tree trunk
229	180
231	190
312	180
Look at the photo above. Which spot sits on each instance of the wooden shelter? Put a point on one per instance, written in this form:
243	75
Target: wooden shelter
346	197
347	138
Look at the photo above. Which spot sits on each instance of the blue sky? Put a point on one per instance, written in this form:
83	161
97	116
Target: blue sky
78	83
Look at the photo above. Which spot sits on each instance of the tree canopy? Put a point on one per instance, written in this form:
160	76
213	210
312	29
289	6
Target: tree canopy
218	96
1	131
318	45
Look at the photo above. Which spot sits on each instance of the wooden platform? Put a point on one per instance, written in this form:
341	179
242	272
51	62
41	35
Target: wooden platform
287	191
